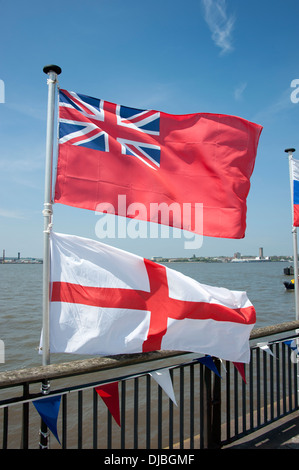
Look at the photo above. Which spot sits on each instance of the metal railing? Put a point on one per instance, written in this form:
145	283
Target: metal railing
212	410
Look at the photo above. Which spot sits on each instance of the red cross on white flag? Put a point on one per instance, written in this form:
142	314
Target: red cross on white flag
106	301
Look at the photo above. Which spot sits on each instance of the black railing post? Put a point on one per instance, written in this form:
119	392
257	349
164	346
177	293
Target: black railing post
25	418
215	435
207	408
212	408
44	431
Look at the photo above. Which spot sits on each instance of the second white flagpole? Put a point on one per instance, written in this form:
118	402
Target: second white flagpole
290	152
52	71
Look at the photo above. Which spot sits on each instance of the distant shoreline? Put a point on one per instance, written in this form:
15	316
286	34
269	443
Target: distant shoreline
223	259
161	259
22	261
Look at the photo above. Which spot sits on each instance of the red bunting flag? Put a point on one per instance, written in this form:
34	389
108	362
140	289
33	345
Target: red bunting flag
241	369
109	394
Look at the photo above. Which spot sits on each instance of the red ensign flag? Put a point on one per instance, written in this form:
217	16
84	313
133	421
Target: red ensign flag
170	165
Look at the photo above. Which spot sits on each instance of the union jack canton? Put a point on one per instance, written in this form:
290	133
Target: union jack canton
99	125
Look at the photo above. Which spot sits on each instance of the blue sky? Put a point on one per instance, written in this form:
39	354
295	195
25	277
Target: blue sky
231	57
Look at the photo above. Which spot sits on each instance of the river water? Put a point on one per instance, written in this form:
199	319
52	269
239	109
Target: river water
21	301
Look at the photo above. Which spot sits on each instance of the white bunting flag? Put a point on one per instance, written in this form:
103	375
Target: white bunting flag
162	377
265	347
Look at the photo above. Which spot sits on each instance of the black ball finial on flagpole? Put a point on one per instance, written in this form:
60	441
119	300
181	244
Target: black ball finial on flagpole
52	68
290	150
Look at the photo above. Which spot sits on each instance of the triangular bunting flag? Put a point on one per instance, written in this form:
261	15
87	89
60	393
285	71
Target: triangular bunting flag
291	343
240	367
109	394
48	408
265	347
223	365
208	362
162	377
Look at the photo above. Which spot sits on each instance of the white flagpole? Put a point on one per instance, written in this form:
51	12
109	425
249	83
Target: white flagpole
52	71
290	152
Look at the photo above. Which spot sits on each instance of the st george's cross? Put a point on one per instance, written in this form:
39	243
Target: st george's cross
157	301
107	301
